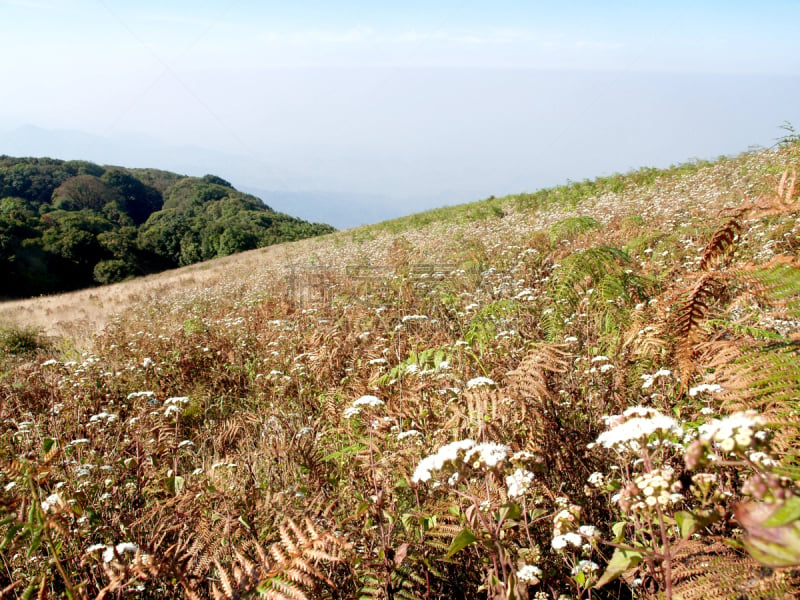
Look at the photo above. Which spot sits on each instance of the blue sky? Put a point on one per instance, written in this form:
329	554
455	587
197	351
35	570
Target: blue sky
414	103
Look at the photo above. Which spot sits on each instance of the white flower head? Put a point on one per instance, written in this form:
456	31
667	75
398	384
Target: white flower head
560	542
518	483
51	502
368	401
486	454
711	388
529	574
351	411
739	431
121	548
635	426
437	460
480	382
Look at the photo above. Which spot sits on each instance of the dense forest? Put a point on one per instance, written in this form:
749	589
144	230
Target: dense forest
66	225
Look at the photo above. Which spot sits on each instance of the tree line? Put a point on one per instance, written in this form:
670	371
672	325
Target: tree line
67	225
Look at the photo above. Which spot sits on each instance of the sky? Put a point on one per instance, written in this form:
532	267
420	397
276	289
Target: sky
352	111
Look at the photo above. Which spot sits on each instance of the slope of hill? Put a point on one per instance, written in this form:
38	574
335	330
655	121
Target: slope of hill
72	224
584	392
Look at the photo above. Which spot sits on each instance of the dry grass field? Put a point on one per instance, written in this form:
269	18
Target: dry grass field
586	392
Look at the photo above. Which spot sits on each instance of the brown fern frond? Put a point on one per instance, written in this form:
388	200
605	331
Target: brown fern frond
229	592
714	571
784	191
686	322
721	243
530	376
765	377
691	312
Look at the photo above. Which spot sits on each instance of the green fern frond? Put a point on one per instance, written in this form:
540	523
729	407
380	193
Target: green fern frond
571	228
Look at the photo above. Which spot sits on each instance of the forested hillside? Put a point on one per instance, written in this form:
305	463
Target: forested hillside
66	225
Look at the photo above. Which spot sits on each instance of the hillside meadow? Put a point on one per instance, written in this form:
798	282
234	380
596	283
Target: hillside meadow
589	391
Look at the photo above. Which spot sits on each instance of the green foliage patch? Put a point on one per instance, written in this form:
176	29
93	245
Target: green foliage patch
66	225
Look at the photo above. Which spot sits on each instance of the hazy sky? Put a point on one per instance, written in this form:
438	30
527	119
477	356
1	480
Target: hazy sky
410	104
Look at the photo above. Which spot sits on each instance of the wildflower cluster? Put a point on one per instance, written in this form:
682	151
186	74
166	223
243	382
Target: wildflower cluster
742	434
635	427
738	432
519	482
459	454
529	574
657	489
358	404
567	530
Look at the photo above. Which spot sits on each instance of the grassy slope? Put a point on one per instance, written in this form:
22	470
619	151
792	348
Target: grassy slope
271	347
438	235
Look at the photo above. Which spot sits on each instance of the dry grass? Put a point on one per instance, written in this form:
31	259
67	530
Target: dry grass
669	200
271	424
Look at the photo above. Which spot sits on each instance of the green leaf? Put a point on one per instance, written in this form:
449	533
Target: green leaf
36	542
47	444
510	510
686	522
788	512
13	529
175	484
619	531
28	593
620	562
461	541
771	554
690	522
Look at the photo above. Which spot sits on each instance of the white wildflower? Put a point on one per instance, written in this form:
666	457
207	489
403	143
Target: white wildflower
437	461
408	318
51	501
351	411
596	479
368	401
711	388
480	381
519	482
488	454
176	400
649	380
172	409
734	432
585	566
121	548
529	574
627	430
588	530
560	542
